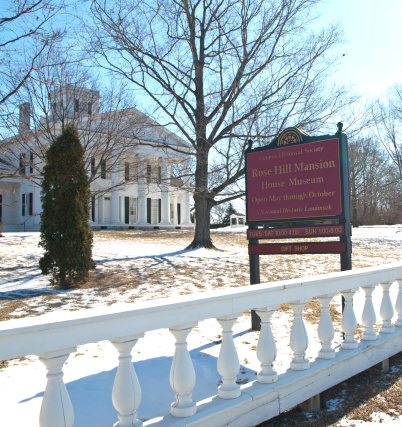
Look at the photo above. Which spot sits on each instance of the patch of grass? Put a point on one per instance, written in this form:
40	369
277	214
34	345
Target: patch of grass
164	273
5	363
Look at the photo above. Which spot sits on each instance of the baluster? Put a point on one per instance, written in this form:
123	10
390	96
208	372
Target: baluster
182	374
266	348
368	316
326	332
386	309
299	338
349	323
56	410
126	393
398	304
228	361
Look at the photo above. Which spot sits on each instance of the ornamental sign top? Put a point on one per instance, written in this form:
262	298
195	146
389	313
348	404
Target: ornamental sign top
291	136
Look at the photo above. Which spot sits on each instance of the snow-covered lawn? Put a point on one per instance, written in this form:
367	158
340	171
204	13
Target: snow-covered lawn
138	266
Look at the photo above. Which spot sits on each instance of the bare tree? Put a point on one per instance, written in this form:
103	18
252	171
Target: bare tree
391	208
388	125
220	72
27	36
218	213
374	192
109	127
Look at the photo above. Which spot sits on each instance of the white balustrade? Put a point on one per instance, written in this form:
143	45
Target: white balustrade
326	332
398	304
386	309
368	316
126	393
56	410
228	361
266	347
56	338
182	374
349	322
299	338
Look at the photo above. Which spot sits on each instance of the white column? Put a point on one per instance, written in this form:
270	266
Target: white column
368	316
386	310
165	214
349	323
101	204
326	332
228	361
174	202
96	219
19	204
185	220
126	394
398	305
266	348
186	208
182	374
91	222
115	206
142	203
56	410
299	338
121	204
114	200
36	204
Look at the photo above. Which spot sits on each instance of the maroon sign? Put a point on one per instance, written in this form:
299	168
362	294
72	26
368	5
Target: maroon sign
298	248
283	233
301	181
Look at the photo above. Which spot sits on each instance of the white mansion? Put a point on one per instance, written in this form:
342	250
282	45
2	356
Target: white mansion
131	168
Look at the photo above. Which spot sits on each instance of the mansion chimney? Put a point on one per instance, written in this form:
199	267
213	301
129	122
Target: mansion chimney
25	117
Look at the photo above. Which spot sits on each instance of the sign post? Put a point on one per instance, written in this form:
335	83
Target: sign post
298	187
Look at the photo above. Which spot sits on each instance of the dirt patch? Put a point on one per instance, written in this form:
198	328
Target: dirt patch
177	237
15	306
5	363
358	398
111	281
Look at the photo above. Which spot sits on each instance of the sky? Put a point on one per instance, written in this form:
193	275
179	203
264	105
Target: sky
373	28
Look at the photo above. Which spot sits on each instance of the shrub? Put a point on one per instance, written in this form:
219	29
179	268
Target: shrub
65	233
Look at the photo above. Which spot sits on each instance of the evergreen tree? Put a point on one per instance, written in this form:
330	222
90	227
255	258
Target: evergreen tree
229	211
65	232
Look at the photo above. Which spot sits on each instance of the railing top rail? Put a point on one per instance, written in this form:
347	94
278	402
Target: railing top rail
59	330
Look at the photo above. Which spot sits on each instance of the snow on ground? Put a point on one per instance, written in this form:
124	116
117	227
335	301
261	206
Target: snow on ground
158	270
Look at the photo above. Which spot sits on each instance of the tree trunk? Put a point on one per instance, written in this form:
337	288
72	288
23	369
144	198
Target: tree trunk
203	203
354	202
63	283
202	234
